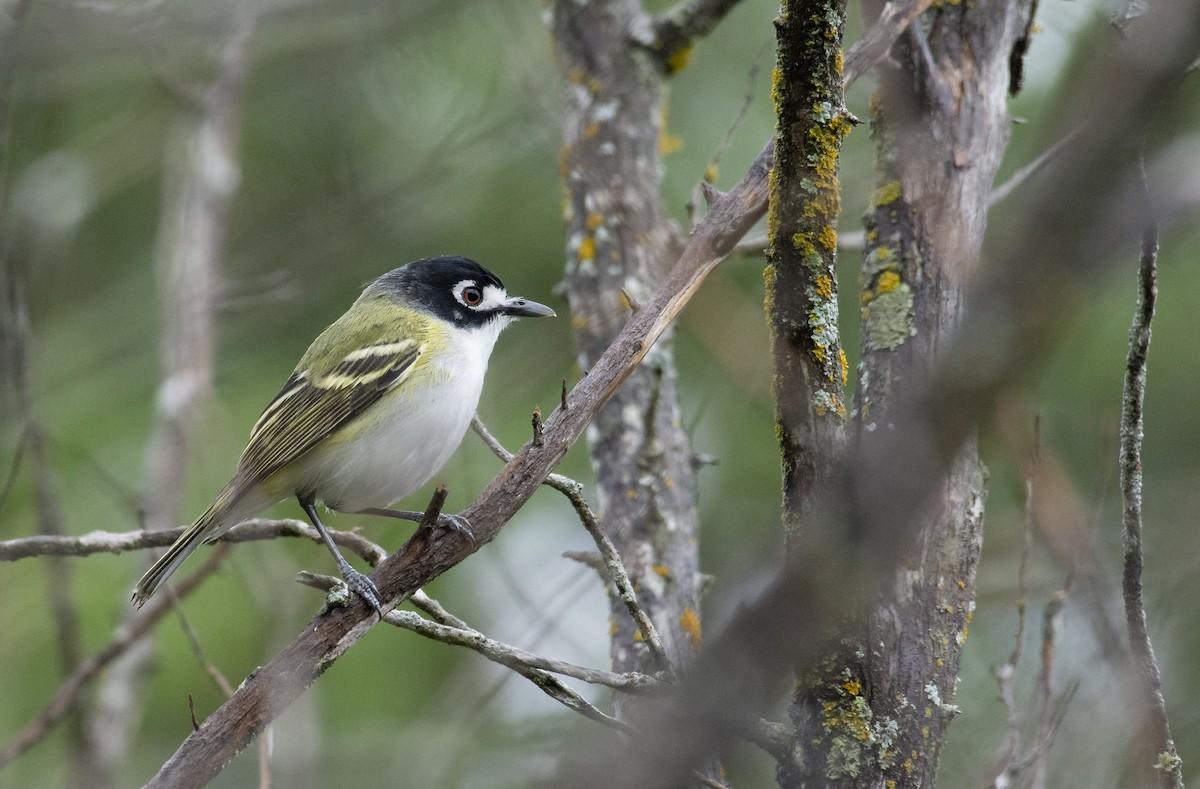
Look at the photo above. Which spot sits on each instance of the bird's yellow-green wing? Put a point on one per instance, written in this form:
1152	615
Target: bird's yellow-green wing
335	381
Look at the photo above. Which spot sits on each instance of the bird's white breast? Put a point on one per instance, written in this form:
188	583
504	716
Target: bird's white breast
403	439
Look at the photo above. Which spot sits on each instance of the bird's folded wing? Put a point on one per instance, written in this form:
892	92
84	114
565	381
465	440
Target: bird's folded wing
312	405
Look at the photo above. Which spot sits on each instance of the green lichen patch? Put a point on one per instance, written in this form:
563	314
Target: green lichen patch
888	319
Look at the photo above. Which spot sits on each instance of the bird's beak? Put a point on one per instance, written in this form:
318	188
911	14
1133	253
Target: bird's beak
524	308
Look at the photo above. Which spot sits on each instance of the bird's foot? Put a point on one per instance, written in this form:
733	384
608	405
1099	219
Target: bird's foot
457	524
362	586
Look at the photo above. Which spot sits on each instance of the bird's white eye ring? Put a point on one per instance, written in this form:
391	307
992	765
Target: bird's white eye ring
471	296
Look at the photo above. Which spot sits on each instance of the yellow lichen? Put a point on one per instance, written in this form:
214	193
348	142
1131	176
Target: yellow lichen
828	237
844	364
587	249
803	244
776	85
667	143
689	620
824	286
852	686
579	321
661	569
591	130
679	59
886	194
592	222
887	282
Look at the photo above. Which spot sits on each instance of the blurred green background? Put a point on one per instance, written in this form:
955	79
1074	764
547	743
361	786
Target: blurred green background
379	132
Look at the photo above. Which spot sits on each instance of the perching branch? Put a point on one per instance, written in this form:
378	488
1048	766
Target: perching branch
276	685
120	542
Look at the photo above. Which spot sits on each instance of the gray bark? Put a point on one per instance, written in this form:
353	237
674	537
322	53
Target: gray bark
619	240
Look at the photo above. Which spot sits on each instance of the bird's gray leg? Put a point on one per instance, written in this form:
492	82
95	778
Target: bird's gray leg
358	583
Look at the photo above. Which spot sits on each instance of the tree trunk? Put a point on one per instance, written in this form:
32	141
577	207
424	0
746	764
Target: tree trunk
876	712
618	241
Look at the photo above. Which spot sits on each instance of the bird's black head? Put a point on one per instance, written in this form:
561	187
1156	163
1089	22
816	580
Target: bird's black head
457	290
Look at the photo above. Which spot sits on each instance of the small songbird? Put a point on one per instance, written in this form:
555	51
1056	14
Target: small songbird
376	406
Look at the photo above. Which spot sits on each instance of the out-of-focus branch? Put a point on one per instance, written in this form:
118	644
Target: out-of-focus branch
128	634
875	43
1164	758
1014	759
15	366
201	177
620	240
678	29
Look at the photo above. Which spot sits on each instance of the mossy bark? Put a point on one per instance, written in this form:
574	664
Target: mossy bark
878	709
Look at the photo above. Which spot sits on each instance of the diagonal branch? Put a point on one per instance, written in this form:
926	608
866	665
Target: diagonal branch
681	26
263	696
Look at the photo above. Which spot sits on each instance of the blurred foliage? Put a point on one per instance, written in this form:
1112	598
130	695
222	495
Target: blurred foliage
378	132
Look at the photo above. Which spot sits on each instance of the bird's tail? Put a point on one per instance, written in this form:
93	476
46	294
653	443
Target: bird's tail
209	526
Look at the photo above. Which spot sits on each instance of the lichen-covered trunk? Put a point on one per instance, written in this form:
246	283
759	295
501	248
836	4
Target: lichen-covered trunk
878	708
618	242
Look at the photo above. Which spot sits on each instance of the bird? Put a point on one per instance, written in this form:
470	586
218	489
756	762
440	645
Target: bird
376	406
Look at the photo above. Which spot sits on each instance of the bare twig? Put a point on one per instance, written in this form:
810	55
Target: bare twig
516	658
252	530
209	667
1022	175
611	558
875	43
1168	764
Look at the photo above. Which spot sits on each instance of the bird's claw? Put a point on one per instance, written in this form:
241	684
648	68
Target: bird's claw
362	586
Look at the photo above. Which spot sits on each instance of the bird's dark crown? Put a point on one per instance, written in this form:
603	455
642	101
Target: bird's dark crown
430	283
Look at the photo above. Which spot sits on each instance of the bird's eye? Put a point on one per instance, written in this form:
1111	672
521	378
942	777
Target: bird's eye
471	296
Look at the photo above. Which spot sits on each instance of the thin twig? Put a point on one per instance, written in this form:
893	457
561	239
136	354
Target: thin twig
1022	175
209	667
253	530
1168	764
613	565
1006	767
